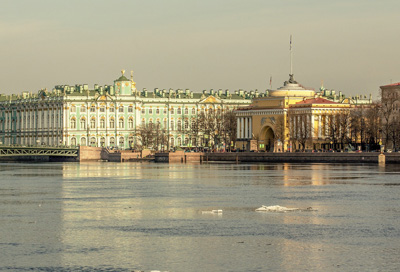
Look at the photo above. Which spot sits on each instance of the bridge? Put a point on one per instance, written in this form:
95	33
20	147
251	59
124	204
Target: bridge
38	151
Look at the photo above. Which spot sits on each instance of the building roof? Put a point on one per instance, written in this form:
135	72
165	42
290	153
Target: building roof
317	100
391	85
122	78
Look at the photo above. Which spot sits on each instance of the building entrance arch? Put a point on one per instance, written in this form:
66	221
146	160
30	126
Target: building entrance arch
268	136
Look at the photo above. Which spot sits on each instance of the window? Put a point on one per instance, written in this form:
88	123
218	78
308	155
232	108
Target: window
83	141
130	123
186	111
73	123
93	123
112	123
83	123
102	141
112	141
112	109
73	109
102	109
121	141
143	111
172	125
93	141
121	108
193	123
93	108
165	123
186	141
179	142
193	110
210	111
73	141
102	123
186	124
157	111
150	111
179	111
165	110
172	110
172	142
130	109
179	125
121	123
83	109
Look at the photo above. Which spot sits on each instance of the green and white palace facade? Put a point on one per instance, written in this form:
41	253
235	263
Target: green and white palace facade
106	115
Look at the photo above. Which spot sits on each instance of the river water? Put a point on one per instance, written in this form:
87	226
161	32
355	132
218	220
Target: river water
145	216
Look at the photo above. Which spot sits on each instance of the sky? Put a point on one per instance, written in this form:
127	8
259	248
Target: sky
350	45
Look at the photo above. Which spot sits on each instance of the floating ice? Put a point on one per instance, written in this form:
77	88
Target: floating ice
278	208
212	212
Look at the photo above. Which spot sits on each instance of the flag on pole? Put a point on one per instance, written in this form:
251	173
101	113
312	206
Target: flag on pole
270	82
290	42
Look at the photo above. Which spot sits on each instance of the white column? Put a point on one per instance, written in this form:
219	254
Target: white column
237	129
250	128
312	126
242	128
319	126
246	128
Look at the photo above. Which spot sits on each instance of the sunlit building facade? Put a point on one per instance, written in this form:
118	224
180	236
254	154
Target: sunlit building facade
290	118
107	115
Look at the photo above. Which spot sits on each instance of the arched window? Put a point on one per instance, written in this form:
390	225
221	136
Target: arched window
83	123
179	125
112	123
93	123
73	109
83	108
73	123
102	141
102	123
112	108
179	111
150	111
130	123
112	141
186	124
179	141
172	142
193	110
157	111
165	123
102	108
83	141
73	141
130	109
172	110
93	141
193	123
93	108
172	125
121	123
121	141
186	111
186	141
121	108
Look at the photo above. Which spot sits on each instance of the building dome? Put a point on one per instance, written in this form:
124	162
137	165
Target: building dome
292	88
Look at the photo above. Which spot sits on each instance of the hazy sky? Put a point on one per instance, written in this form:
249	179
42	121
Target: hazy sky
353	45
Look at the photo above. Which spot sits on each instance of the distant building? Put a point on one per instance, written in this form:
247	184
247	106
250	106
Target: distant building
290	118
107	115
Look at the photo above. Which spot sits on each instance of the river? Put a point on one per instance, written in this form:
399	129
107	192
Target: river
144	216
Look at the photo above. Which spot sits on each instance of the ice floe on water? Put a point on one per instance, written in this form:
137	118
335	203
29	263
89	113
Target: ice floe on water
277	208
212	212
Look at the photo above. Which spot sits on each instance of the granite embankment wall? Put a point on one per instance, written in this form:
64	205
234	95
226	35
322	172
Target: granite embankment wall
253	157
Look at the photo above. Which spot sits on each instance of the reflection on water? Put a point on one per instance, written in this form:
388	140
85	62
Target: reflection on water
127	216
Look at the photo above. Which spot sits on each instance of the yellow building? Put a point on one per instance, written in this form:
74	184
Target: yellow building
288	119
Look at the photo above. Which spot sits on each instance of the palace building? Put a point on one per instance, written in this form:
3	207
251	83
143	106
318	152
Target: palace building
107	115
290	118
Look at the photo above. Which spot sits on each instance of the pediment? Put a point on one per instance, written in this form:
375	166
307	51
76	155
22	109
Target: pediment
210	100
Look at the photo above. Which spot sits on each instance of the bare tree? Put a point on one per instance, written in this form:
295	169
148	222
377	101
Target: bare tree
389	100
